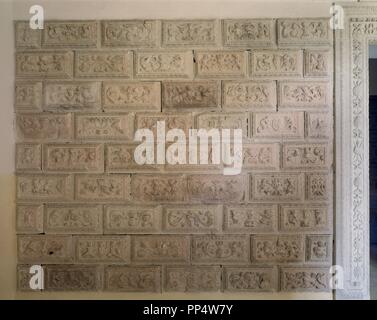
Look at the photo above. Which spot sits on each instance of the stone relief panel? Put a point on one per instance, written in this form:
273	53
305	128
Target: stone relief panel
28	96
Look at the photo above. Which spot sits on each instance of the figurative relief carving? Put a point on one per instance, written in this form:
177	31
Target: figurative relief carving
250	279
304	279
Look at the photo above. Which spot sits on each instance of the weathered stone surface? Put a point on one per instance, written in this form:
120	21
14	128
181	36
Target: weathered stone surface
255	218
214	64
28	96
249	32
220	249
319	125
191	219
261	156
129	33
276	63
44	64
231	121
160	249
120	219
72	96
304	94
103	249
279	186
317	63
27	37
43	126
304	279
132	279
297	156
249	95
126	96
73	278
39	249
97	64
24	277
304	31
120	158
104	126
301	218
216	188
170	188
73	219
277	249
29	218
250	279
190	95
70	34
192	279
102	187
319	249
73	157
278	125
28	156
161	64
318	186
189	33
46	187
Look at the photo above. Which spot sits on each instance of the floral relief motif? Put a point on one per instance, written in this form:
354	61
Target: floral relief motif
304	218
70	34
317	186
250	279
296	156
299	94
28	96
220	63
299	279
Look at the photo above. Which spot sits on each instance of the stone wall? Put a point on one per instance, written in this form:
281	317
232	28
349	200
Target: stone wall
96	220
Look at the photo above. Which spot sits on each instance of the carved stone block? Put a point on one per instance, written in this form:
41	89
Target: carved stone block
97	64
28	96
319	249
192	279
73	219
317	63
304	279
38	249
277	186
132	279
223	121
102	187
161	64
249	95
72	96
249	33
160	249
70	34
276	63
27	37
319	125
44	64
305	94
297	156
250	279
24	277
304	218
127	96
304	32
129	33
189	33
73	278
277	249
190	95
103	249
46	187
278	125
220	249
217	64
73	157
153	188
28	156
261	156
191	219
104	126
29	218
255	218
119	219
318	186
216	188
49	127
